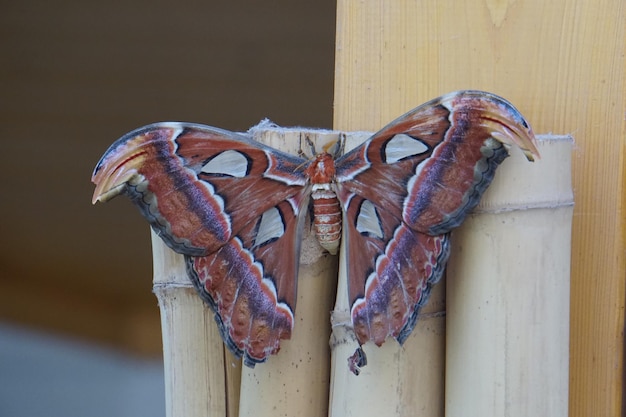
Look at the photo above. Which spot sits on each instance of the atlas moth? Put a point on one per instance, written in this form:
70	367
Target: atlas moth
236	208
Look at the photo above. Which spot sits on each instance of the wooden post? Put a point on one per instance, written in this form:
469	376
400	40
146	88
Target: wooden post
545	58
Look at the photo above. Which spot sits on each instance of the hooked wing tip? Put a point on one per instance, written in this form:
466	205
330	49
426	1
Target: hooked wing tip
112	175
121	164
523	139
504	122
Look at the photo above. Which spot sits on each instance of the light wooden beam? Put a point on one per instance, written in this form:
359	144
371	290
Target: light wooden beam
562	64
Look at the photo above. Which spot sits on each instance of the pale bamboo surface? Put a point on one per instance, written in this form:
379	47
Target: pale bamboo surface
507	302
295	381
201	376
517	367
562	64
398	380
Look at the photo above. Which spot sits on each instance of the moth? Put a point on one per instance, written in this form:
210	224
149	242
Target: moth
236	209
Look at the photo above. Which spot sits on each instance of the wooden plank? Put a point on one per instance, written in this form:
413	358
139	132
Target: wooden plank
546	58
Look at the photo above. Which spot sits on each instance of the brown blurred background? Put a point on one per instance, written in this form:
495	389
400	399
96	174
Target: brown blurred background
76	75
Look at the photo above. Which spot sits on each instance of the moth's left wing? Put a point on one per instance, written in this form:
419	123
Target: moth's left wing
197	185
405	189
234	207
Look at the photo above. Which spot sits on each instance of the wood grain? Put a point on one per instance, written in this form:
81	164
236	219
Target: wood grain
562	64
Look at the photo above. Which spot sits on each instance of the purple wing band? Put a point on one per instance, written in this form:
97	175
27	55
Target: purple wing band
412	263
251	319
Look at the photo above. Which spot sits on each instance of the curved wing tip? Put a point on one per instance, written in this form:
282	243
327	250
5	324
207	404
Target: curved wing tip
529	146
532	156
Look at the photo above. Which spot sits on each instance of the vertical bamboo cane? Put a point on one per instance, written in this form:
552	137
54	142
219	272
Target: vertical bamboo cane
295	382
201	376
508	293
398	380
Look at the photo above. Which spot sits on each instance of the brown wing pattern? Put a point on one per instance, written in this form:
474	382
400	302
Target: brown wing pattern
251	284
233	207
405	189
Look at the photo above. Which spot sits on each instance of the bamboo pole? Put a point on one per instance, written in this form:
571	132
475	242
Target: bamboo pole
201	376
295	381
507	345
398	380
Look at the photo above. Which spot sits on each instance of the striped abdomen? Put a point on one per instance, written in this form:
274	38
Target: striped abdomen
326	209
327	219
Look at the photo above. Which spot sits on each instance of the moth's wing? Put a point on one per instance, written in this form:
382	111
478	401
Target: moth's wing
233	206
392	269
405	189
251	282
196	185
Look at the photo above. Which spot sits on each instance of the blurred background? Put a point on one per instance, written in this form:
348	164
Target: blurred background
79	325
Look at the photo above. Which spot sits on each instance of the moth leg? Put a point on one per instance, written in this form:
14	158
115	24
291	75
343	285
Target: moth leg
337	148
309	143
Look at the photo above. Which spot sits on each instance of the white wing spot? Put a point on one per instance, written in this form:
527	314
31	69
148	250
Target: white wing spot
368	221
232	163
270	227
402	146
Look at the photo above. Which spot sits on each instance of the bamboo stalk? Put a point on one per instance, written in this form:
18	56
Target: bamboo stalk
508	293
398	380
410	379
201	376
295	382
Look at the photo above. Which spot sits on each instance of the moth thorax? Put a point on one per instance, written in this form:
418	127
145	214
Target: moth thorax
327	219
